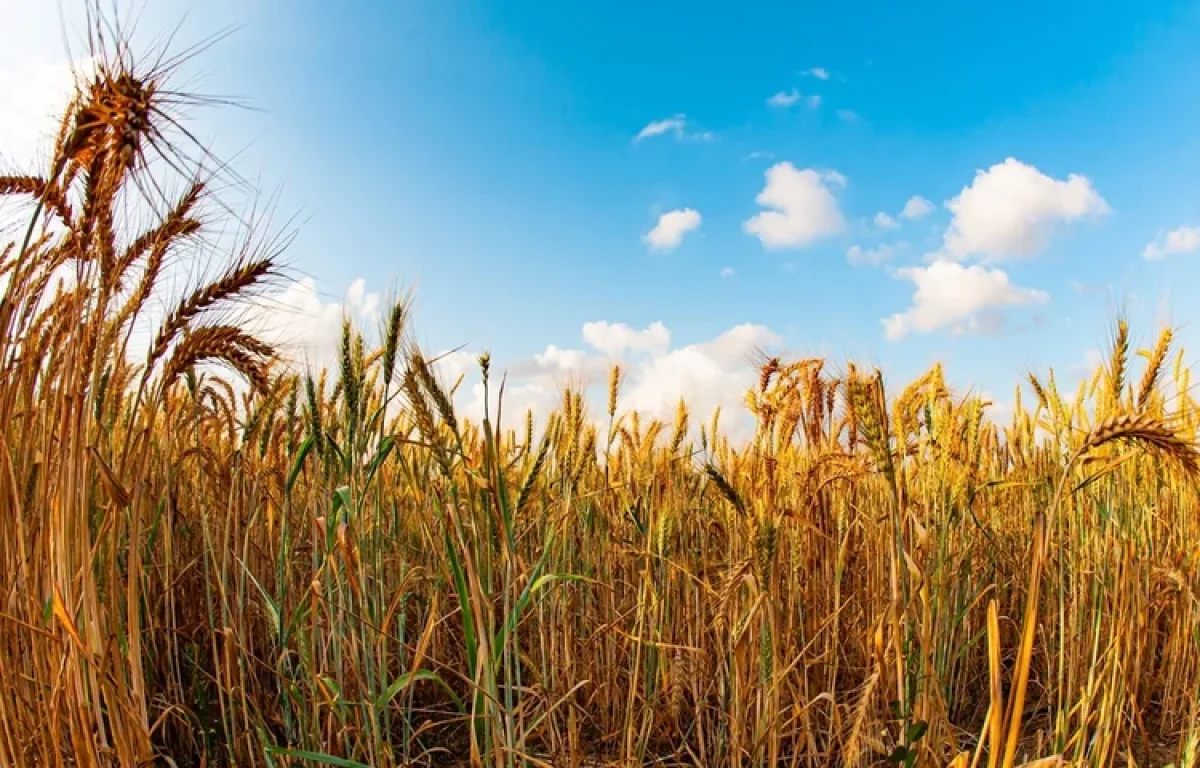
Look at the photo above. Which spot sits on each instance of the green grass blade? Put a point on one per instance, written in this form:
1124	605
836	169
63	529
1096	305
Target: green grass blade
317	757
298	464
405	680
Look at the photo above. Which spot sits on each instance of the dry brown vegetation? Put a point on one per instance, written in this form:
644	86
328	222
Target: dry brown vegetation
335	568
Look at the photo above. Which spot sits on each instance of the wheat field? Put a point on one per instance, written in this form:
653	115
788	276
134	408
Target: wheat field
213	558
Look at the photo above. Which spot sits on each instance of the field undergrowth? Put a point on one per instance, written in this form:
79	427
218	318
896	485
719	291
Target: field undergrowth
213	558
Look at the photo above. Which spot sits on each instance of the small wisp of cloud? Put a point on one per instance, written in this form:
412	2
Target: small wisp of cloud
784	99
857	255
676	125
654	128
759	155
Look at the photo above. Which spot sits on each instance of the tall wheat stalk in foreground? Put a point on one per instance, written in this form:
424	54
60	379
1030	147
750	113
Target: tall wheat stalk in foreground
214	559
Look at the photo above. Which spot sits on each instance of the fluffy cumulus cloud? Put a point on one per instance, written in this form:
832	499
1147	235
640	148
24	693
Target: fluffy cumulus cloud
818	72
668	233
962	299
856	254
1009	211
1177	241
884	221
709	374
1012	210
305	326
802	207
784	98
615	339
917	207
556	361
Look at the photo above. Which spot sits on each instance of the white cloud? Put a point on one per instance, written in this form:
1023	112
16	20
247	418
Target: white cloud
917	207
784	98
35	94
999	411
676	124
884	221
847	115
35	85
728	272
856	254
964	299
1012	210
36	78
707	375
715	373
668	233
305	327
759	155
672	124
1092	359
802	206
555	360
814	101
1181	240
615	339
818	72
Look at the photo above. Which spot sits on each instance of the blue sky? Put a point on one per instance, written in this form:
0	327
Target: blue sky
485	154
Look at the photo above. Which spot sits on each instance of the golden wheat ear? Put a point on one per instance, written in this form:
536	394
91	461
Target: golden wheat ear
235	283
221	343
1118	363
1155	361
1150	432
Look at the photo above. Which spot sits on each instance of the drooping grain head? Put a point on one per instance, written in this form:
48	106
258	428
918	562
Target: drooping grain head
237	282
1149	432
